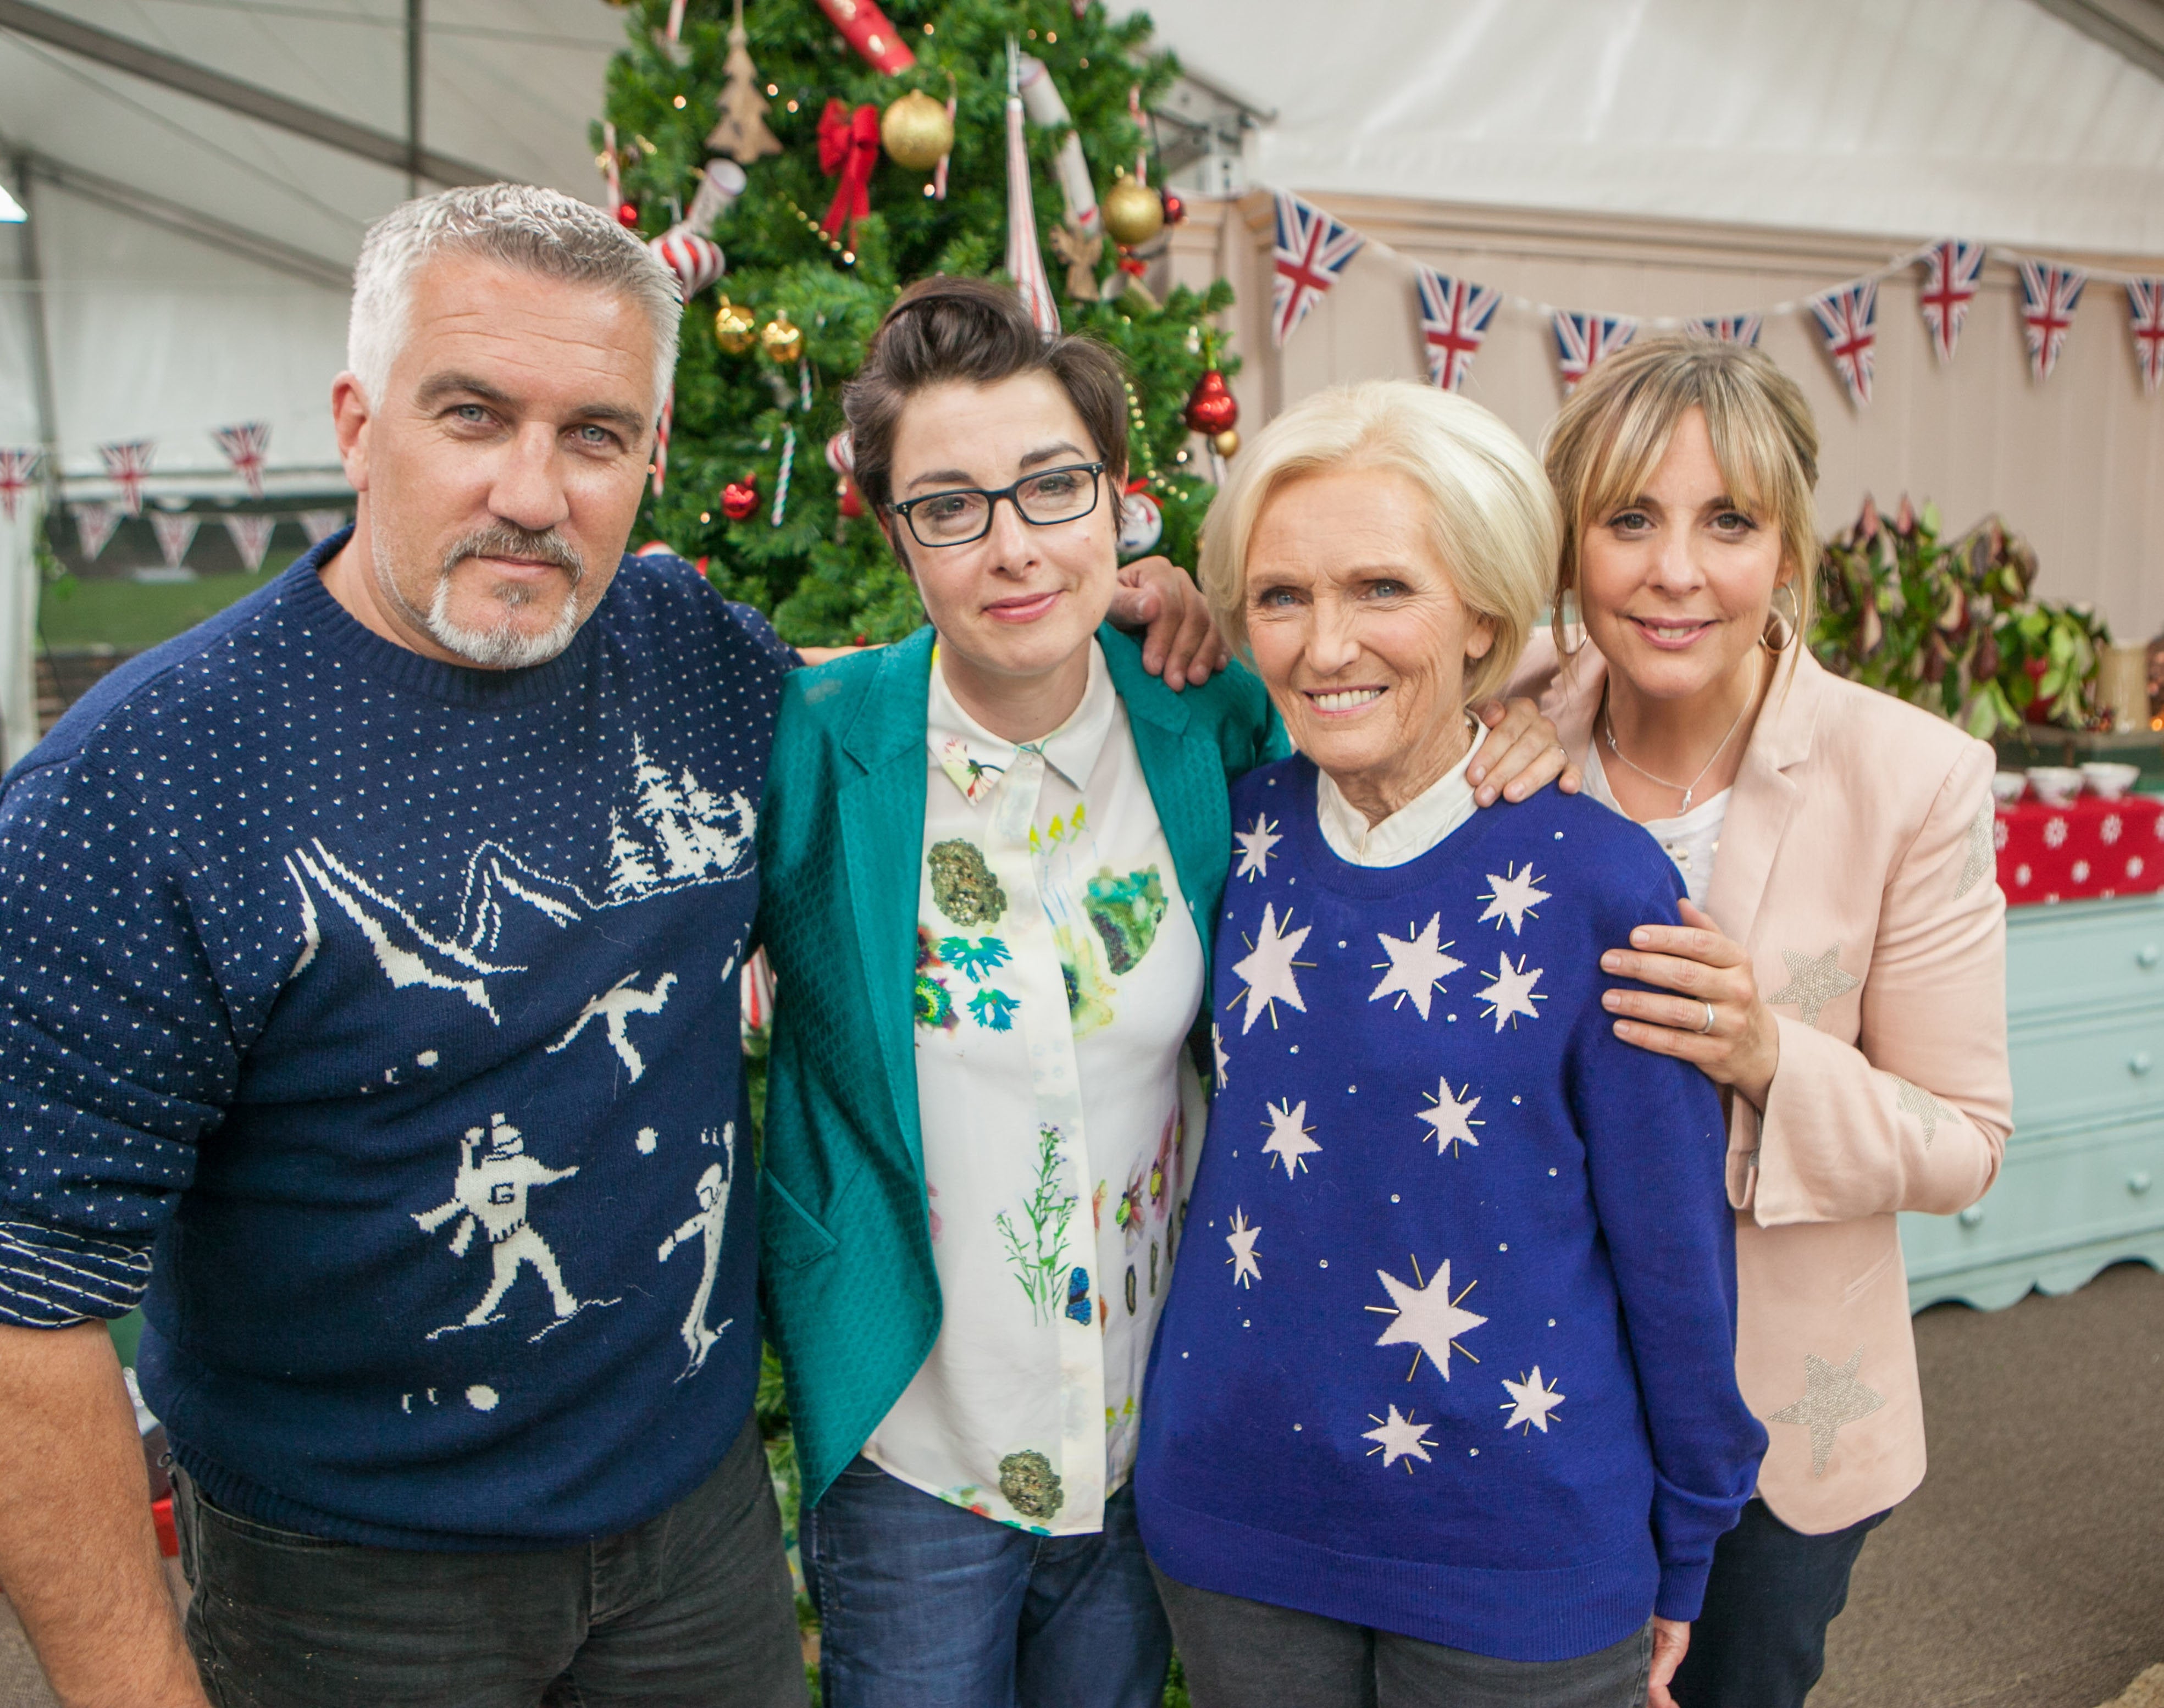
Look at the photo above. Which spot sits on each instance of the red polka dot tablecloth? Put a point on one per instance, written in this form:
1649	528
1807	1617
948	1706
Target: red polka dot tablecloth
2087	849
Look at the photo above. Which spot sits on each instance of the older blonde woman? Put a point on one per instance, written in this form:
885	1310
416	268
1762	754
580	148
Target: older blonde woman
1442	1407
1841	974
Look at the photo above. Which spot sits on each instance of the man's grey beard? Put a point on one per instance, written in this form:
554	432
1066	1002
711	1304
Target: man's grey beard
502	647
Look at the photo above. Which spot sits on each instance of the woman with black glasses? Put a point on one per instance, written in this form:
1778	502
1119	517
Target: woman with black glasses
991	858
990	855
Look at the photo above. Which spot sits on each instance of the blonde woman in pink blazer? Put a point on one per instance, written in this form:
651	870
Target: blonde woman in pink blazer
1843	976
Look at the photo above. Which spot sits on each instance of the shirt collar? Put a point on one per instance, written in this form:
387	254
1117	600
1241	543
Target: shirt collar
973	758
1409	832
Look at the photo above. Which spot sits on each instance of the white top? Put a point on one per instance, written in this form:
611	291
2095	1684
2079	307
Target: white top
1691	840
1059	973
1409	832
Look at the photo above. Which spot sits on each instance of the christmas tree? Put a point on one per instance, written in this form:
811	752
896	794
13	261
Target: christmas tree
757	403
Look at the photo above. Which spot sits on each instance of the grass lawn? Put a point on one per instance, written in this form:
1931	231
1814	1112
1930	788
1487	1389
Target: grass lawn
131	616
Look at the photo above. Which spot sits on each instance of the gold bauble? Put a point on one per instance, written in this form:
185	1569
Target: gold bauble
1133	213
1228	442
781	339
917	131
734	328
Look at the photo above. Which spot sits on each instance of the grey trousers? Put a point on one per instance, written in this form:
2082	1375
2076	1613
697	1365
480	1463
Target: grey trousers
690	1610
1249	1654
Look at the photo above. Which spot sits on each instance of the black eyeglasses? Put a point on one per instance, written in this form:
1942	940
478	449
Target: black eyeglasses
956	518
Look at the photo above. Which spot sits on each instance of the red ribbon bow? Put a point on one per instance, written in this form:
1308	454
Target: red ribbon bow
849	143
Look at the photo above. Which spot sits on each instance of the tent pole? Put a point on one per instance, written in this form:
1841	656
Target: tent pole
41	354
413	98
124	54
171	216
19	627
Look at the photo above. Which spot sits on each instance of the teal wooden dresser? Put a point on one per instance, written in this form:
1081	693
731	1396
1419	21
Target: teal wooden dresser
2083	1181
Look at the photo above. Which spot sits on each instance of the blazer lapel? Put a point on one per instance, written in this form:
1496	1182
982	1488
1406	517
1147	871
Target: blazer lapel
882	819
1765	797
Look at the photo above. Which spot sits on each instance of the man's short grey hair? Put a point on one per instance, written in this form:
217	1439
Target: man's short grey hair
518	226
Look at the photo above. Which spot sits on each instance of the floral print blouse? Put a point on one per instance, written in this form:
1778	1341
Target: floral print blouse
1058	978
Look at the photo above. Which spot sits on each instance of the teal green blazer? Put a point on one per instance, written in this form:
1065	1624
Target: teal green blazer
852	1299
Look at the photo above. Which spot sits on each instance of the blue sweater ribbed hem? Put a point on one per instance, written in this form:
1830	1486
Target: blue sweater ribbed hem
1516	1615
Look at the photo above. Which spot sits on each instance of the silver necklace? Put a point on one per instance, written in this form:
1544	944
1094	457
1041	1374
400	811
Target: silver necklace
1608	730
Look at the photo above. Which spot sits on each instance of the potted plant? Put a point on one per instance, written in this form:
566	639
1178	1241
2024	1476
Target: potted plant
1952	625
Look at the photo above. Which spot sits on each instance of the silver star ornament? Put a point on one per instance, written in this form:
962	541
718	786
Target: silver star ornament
1832	1398
1981	858
1916	1101
1813	981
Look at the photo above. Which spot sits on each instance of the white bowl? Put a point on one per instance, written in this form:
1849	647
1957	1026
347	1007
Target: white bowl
2007	787
2109	780
2055	785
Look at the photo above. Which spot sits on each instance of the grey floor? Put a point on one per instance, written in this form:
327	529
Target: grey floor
2027	1570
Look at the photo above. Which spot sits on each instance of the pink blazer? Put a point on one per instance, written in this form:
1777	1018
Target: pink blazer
1855	866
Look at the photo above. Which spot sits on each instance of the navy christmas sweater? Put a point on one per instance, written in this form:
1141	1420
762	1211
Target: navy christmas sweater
1450	1349
381	1016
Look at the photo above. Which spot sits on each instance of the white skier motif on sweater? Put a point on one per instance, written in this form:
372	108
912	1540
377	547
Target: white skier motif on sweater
490	1193
615	1006
709	1225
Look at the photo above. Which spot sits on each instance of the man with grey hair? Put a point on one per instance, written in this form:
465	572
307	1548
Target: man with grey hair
372	950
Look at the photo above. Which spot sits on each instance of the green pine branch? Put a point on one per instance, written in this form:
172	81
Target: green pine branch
827	579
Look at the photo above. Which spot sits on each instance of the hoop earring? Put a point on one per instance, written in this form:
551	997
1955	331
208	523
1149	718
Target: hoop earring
1564	619
1776	622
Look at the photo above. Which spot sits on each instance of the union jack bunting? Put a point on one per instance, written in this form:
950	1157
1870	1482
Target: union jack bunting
127	462
245	447
1312	249
18	470
1849	318
2145	299
1583	339
319	525
1949	287
1454	317
94	525
2049	296
175	530
251	537
1733	329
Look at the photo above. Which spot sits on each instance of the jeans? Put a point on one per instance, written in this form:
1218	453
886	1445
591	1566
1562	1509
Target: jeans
690	1610
925	1605
1761	1640
1238	1653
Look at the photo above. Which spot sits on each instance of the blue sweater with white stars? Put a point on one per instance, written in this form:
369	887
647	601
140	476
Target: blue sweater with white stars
1450	1349
381	1016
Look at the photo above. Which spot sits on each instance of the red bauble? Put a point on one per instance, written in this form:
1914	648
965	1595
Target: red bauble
1175	210
628	216
853	503
739	499
1210	408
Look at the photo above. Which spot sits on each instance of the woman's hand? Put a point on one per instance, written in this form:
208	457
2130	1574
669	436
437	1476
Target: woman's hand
1671	1643
1522	754
1742	1045
1180	642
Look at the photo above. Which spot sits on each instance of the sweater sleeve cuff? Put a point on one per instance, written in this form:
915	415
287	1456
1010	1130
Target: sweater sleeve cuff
53	1279
1682	1593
